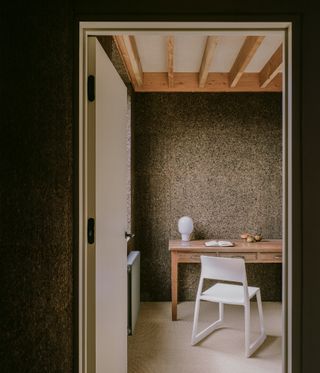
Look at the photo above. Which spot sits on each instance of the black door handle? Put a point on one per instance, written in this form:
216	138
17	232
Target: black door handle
90	232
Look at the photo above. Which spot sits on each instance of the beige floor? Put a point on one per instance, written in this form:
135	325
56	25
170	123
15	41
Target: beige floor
162	346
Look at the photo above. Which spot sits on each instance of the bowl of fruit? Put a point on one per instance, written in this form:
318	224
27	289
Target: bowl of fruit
249	237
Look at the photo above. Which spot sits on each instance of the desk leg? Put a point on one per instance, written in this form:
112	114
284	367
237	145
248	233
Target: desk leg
174	284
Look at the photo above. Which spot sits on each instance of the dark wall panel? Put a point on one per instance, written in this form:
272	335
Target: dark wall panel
36	191
310	135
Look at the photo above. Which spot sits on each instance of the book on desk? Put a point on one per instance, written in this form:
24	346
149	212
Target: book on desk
223	243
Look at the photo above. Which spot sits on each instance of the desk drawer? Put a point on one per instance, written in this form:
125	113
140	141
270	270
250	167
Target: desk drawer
270	257
248	257
192	257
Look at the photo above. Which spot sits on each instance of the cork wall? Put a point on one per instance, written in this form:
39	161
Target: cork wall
214	157
37	167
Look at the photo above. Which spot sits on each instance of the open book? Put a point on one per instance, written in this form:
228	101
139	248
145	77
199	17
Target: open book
219	243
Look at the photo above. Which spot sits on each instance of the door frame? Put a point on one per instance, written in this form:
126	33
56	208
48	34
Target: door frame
291	286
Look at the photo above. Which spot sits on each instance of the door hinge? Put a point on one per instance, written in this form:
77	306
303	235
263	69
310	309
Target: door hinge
91	88
91	230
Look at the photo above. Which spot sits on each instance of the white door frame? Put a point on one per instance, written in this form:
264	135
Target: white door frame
112	28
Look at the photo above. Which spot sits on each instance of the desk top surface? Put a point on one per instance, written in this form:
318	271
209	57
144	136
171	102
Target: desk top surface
270	245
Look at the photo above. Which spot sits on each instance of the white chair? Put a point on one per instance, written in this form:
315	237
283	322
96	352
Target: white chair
232	270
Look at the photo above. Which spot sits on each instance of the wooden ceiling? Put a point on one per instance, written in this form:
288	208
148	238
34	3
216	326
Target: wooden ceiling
253	63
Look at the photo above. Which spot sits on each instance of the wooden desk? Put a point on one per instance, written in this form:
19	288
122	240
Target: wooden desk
265	251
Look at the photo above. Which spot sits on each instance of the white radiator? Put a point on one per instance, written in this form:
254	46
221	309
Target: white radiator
133	289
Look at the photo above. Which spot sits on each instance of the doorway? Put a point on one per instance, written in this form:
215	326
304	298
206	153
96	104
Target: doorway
94	29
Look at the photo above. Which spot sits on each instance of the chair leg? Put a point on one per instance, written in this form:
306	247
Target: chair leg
261	320
221	312
195	321
247	328
251	348
197	337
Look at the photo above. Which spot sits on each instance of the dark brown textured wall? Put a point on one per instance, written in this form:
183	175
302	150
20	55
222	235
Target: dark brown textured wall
216	158
36	273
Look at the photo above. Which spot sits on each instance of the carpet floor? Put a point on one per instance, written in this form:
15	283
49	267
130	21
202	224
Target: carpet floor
159	345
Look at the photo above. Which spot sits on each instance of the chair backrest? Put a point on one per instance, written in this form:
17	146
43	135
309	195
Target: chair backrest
224	269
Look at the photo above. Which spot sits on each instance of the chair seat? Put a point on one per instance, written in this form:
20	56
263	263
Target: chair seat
227	293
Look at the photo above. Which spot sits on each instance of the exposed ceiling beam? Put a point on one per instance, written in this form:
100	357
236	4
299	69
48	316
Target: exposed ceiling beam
245	55
271	68
207	59
170	54
128	50
216	82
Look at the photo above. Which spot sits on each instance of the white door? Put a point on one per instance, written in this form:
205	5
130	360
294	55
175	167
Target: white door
107	170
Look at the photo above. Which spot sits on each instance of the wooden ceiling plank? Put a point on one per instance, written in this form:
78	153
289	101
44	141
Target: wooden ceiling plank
216	82
119	41
247	51
128	50
207	59
170	56
271	68
135	58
